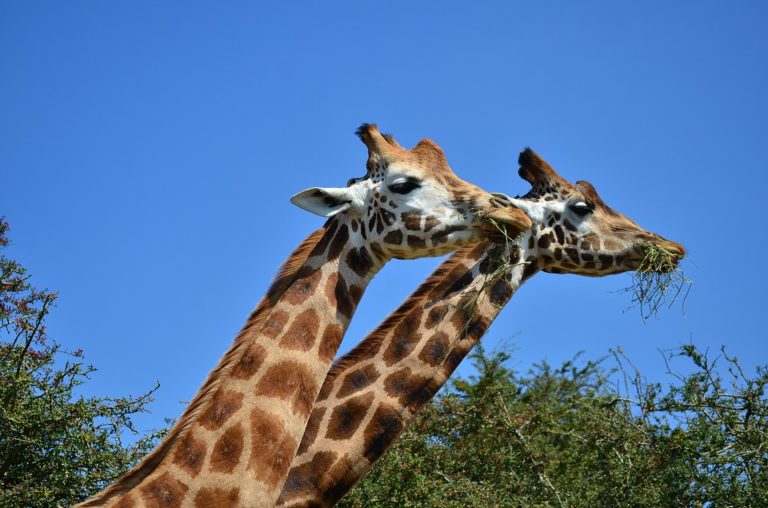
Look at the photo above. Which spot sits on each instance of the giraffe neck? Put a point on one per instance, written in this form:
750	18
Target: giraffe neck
374	392
236	440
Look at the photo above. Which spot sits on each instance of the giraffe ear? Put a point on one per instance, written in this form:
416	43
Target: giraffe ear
325	202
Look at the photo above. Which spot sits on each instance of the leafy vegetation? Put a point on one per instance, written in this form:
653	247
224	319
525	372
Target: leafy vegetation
56	447
574	436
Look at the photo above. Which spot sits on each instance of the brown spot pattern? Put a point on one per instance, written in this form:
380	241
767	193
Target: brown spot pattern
227	450
289	381
560	234
359	260
381	431
306	478
430	222
338	242
212	497
442	235
322	244
329	342
404	338
545	240
357	380
310	431
223	405
249	362
347	417
275	323
411	220
462	282
338	481
409	389
163	492
271	449
590	242
435	316
606	260
303	288
356	292
462	314
378	251
330	288
395	237
416	242
303	331
501	292
325	391
189	454
452	361
344	304
435	349
531	267
477	326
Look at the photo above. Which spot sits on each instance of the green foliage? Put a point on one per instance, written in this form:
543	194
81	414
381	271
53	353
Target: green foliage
573	436
55	447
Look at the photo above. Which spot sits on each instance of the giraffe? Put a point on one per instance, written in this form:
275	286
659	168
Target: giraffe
234	443
374	391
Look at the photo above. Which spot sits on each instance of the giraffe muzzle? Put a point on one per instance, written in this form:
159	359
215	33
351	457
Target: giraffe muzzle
508	220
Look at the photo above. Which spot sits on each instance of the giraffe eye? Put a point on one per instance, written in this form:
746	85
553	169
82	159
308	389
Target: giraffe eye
404	186
581	208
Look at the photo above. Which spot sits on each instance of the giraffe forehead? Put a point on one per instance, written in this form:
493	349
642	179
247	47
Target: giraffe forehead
538	209
398	170
437	189
382	171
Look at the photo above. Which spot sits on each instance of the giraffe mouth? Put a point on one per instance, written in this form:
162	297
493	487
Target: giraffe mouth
656	257
506	222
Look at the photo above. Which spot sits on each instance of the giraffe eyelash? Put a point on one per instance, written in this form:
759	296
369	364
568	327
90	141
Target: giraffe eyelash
404	186
581	208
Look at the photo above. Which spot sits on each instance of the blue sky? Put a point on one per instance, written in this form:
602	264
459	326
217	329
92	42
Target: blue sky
148	151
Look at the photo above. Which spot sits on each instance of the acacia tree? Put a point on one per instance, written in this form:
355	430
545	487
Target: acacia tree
583	435
56	446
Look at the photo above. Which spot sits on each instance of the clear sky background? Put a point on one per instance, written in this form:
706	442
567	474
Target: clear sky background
148	151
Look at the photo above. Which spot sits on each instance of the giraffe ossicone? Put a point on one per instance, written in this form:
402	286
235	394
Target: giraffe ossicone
235	442
372	393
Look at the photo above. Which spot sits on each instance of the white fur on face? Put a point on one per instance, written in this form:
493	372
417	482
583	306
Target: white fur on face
537	211
360	193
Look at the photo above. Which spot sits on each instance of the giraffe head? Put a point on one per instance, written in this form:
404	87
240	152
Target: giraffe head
410	203
574	231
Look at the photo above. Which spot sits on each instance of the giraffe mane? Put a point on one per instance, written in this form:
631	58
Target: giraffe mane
282	281
433	288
